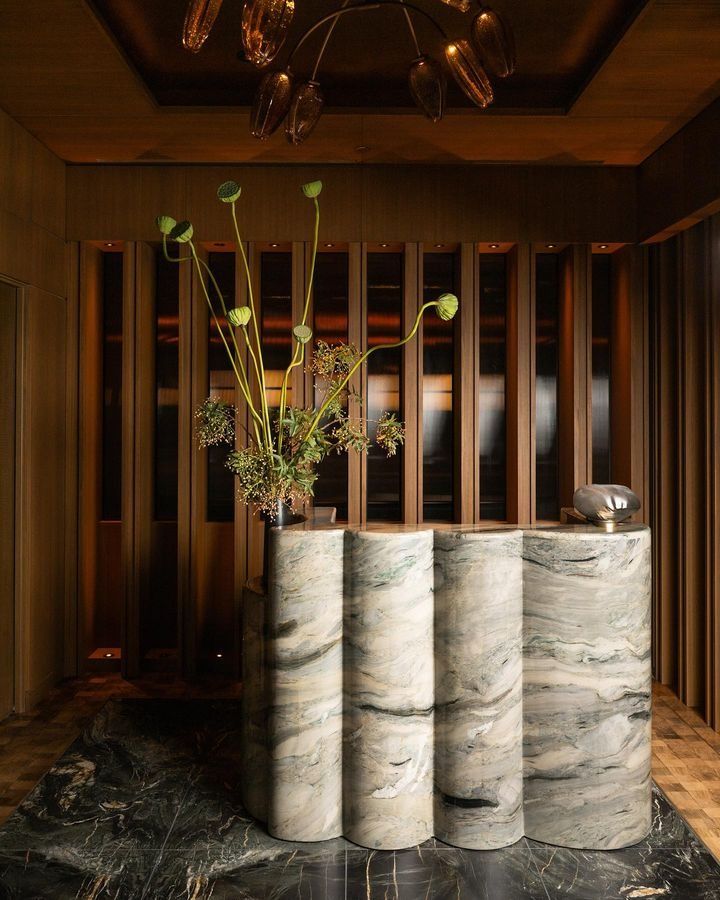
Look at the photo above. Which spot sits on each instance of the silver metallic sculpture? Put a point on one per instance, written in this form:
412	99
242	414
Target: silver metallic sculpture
606	505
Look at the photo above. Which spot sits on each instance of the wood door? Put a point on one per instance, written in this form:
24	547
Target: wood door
8	332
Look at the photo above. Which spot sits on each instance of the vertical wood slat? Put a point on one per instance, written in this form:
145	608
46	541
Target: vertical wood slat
628	381
143	430
575	373
186	512
664	516
255	525
409	391
356	275
71	666
241	512
712	650
362	378
89	442
467	449
130	626
521	386
692	475
417	426
200	388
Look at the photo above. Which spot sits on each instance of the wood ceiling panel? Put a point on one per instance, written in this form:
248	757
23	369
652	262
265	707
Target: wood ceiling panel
559	46
64	78
224	138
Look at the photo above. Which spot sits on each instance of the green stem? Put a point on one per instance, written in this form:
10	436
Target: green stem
364	358
243	387
246	386
301	347
258	361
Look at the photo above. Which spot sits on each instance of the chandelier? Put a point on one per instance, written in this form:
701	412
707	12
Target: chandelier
486	50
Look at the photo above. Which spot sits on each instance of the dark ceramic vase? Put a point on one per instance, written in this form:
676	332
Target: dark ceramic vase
282	515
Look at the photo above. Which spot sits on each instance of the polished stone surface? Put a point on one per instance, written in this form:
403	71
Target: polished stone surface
146	805
305	662
466	660
389	689
478	688
587	687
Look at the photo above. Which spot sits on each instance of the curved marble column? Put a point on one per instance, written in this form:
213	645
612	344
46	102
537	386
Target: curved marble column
305	621
587	686
478	688
388	760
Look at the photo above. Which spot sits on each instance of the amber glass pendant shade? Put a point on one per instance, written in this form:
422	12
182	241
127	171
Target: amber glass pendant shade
265	25
462	5
427	86
494	42
271	104
304	113
199	20
469	73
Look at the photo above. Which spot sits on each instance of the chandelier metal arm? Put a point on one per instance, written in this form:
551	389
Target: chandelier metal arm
325	42
361	7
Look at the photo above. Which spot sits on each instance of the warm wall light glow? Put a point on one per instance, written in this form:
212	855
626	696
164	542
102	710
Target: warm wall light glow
469	73
305	110
427	86
265	25
199	20
272	101
494	42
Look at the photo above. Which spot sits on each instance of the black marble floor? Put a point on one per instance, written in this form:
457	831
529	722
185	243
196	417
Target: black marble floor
145	805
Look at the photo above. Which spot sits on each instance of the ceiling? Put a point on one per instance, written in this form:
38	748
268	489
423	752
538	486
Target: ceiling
365	64
603	82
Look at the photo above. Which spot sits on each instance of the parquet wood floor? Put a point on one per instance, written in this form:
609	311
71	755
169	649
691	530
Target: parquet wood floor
686	752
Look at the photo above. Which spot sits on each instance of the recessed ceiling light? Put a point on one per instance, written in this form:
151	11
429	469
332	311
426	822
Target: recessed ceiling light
383	245
550	246
219	655
329	245
603	246
438	246
274	245
494	246
109	655
109	244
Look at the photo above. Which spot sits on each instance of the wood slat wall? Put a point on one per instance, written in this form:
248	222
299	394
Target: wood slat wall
685	422
33	259
216	558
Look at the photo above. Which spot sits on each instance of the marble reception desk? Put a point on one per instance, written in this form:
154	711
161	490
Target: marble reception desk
471	684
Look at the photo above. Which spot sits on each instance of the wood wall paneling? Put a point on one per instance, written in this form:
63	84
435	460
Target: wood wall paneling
575	372
40	570
629	374
356	329
186	461
132	365
521	386
90	419
465	391
679	185
8	439
72	518
411	390
360	203
685	507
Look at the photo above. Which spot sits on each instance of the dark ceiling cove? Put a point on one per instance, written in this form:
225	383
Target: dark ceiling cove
559	47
